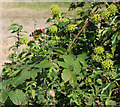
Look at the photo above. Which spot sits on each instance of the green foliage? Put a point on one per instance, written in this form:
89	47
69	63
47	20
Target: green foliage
76	62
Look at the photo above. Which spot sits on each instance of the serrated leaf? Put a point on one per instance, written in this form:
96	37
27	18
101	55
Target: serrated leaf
63	64
4	84
73	79
77	66
83	56
14	73
66	75
68	59
25	74
44	64
3	96
17	97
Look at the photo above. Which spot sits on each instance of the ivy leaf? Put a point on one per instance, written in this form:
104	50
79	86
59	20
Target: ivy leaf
66	75
17	97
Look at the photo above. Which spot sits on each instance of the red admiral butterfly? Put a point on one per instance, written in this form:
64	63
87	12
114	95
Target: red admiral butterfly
8	63
36	33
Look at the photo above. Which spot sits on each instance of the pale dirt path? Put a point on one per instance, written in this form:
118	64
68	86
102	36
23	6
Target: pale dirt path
23	17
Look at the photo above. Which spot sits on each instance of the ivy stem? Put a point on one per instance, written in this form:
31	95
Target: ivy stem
99	74
85	25
86	22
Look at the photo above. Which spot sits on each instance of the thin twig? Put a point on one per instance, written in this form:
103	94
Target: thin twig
77	36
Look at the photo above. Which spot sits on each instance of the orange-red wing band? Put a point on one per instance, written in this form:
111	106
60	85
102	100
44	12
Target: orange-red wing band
35	35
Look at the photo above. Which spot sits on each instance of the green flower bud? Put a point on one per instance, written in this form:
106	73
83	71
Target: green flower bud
23	40
64	20
96	18
55	10
97	58
54	6
113	74
109	56
89	80
106	14
99	50
107	64
53	29
71	27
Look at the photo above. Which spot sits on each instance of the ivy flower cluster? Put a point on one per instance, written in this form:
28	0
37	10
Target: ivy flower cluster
71	27
64	20
102	57
96	58
99	50
96	18
107	64
110	11
55	10
53	29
